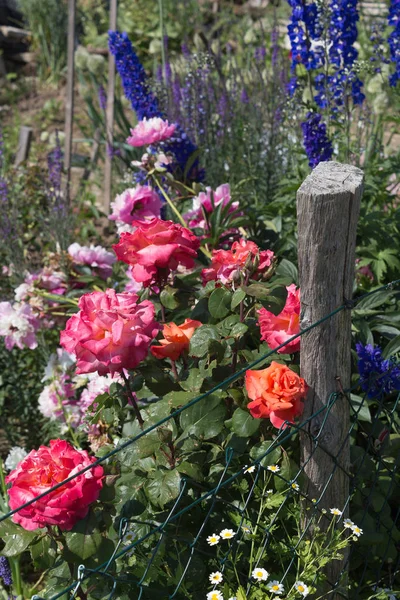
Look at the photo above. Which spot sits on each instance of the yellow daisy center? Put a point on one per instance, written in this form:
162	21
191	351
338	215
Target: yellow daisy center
300	588
275	587
259	573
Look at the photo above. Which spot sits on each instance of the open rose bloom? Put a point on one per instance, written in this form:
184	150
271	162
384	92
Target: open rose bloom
140	203
111	332
276	329
155	249
176	339
276	393
150	131
228	265
41	470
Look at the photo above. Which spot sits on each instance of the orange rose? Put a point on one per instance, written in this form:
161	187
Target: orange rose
276	393
176	339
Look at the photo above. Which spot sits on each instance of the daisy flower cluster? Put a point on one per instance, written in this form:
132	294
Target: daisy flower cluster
225	534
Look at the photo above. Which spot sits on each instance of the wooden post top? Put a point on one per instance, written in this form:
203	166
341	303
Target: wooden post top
332	178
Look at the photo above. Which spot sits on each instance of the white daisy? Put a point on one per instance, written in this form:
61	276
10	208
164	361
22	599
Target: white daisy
129	537
348	524
273	468
213	539
302	588
260	574
246	529
227	534
215	577
295	487
357	530
215	595
275	587
250	469
336	512
270	491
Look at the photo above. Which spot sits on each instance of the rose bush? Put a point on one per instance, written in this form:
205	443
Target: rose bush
44	468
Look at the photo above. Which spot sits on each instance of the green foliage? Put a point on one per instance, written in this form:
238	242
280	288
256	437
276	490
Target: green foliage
48	23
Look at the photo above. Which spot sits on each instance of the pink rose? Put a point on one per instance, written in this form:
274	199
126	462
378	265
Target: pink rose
135	204
96	257
156	248
18	325
228	265
150	131
111	332
276	329
203	204
41	470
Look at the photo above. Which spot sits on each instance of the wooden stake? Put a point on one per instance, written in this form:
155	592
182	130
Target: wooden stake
110	115
24	144
328	204
69	104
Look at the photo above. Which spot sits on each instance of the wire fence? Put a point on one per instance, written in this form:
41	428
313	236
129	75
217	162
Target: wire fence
264	512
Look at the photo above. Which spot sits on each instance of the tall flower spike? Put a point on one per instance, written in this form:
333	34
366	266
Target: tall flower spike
316	142
144	102
133	76
394	40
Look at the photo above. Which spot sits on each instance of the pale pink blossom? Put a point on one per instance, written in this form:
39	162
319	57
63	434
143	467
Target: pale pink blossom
150	131
204	203
95	257
18	325
97	385
57	401
141	203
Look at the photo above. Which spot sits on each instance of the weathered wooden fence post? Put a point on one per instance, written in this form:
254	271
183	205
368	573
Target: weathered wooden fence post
24	144
69	103
110	115
328	204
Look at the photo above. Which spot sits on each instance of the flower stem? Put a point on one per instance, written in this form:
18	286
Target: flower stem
169	202
132	399
174	370
16	575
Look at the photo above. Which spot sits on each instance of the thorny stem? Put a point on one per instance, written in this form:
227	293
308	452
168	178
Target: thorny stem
132	399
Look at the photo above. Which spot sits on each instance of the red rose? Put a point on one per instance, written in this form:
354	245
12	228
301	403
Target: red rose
276	329
228	265
43	469
156	248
